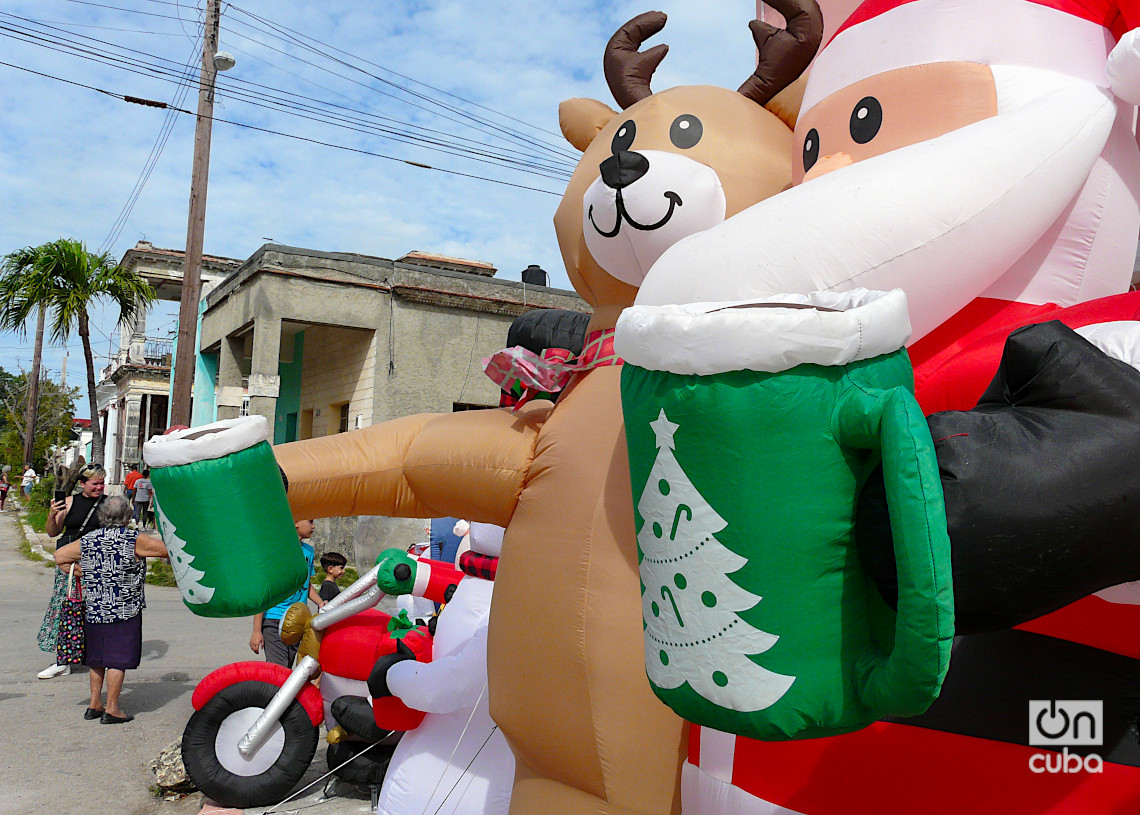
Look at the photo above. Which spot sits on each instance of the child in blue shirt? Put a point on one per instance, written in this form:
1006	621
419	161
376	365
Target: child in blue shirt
265	625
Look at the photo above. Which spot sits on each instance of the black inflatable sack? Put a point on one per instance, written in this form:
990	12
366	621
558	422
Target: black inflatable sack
545	328
1042	484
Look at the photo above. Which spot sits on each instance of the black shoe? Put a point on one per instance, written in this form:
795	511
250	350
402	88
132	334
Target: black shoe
92	713
107	718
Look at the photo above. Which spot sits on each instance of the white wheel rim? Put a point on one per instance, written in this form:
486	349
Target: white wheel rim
232	729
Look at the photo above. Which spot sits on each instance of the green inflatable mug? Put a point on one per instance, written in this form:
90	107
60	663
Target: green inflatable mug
221	510
751	429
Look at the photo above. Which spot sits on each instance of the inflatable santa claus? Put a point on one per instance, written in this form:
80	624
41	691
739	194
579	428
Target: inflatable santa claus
979	155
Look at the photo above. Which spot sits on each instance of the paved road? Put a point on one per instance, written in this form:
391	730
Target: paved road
52	761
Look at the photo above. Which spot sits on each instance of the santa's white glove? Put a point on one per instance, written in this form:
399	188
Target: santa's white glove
1123	68
1120	340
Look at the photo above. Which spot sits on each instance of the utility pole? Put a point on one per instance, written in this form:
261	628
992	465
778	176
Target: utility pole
183	385
34	390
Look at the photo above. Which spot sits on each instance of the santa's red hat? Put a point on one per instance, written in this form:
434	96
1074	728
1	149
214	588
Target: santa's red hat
1071	37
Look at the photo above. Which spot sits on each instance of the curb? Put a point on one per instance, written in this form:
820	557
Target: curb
38	541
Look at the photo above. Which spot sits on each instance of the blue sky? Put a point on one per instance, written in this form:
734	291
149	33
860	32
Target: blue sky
70	156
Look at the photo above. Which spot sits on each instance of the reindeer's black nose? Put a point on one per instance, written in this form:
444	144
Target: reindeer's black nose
623	168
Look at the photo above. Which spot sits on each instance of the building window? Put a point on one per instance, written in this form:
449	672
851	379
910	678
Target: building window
244	409
343	427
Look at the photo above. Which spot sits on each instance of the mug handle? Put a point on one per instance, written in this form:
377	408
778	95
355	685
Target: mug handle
908	679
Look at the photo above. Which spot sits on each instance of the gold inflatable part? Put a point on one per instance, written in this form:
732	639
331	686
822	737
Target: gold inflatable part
336	735
295	622
296	627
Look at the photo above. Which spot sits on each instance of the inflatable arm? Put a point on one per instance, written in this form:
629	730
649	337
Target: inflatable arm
471	464
1059	135
445	685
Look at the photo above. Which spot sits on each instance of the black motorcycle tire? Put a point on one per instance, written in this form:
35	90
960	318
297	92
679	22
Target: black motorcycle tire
272	772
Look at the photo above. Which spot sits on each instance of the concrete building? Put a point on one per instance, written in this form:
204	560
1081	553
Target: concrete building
324	342
133	391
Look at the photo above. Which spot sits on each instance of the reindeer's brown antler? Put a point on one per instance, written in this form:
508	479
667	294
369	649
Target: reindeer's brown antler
784	52
628	70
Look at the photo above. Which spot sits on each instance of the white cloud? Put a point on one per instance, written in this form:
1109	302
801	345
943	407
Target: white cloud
69	156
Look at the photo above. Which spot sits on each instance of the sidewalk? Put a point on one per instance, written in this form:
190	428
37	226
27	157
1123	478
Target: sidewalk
51	760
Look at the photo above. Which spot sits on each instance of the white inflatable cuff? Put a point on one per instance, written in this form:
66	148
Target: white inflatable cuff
758	335
206	442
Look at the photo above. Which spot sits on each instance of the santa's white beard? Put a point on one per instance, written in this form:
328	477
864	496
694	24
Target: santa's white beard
945	220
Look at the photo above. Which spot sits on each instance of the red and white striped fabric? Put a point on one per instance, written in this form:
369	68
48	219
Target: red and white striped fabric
963	762
433	579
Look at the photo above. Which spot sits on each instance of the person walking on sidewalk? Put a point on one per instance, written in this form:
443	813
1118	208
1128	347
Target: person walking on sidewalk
129	482
71	519
28	480
143	495
5	485
113	563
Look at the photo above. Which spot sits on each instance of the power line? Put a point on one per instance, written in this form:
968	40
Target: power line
53	41
378	155
296	137
459	121
557	136
120	8
495	129
109	28
567	165
155	153
178	11
295	36
136	65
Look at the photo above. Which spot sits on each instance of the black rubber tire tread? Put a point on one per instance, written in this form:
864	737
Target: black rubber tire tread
229	789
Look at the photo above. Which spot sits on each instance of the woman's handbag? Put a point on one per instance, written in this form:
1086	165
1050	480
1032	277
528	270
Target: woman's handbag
46	638
70	644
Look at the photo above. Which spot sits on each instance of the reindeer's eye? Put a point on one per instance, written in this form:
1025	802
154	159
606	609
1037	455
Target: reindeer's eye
811	149
686	131
866	120
623	139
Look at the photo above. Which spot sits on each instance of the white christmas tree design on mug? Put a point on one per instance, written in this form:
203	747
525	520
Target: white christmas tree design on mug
185	575
693	632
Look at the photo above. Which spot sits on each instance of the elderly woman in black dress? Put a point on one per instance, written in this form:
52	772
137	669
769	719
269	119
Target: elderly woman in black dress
113	561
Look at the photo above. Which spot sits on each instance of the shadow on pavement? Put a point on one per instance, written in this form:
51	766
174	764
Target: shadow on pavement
144	697
154	649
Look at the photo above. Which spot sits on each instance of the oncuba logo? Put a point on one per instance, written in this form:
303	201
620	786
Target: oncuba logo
1063	724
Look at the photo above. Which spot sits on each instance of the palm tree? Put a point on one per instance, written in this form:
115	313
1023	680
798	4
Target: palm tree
66	280
14	262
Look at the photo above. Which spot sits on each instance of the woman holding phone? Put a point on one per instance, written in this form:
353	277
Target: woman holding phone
71	517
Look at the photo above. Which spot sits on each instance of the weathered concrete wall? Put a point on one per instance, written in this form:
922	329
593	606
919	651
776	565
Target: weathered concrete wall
338	366
436	354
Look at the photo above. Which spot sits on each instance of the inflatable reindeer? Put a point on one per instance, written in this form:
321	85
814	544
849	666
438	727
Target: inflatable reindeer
567	681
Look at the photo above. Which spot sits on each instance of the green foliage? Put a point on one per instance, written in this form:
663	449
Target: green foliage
67	280
159	573
37	503
349	577
54	415
37	518
27	551
41	493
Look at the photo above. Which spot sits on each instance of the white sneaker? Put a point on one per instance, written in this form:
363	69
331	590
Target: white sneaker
52	671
